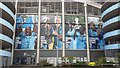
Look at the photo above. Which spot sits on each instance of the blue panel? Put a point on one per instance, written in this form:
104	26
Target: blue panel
112	33
113	20
7	24
116	6
5	8
5	53
112	46
6	38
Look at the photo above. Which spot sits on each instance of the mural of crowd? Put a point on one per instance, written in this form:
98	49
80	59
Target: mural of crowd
76	33
26	31
95	33
51	32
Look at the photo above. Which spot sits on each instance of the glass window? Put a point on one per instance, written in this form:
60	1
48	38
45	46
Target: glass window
27	7
51	7
67	7
89	10
80	8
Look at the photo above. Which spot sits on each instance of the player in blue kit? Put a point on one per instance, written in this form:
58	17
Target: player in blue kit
93	35
27	38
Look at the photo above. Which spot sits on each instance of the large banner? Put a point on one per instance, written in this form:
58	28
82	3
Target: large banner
95	33
26	31
75	32
51	32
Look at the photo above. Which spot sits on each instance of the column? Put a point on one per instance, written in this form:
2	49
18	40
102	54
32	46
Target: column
87	37
12	56
38	35
63	30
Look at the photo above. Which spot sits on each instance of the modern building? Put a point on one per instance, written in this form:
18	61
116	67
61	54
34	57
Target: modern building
7	19
47	30
111	26
57	29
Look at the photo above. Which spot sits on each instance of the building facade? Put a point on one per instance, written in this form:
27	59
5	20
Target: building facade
7	21
49	30
111	26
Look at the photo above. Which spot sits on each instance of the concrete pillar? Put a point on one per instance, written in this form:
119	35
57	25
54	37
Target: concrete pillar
38	35
14	33
87	36
63	29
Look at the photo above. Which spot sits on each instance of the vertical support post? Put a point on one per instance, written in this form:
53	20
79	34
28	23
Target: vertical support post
38	35
14	32
63	30
57	45
87	36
